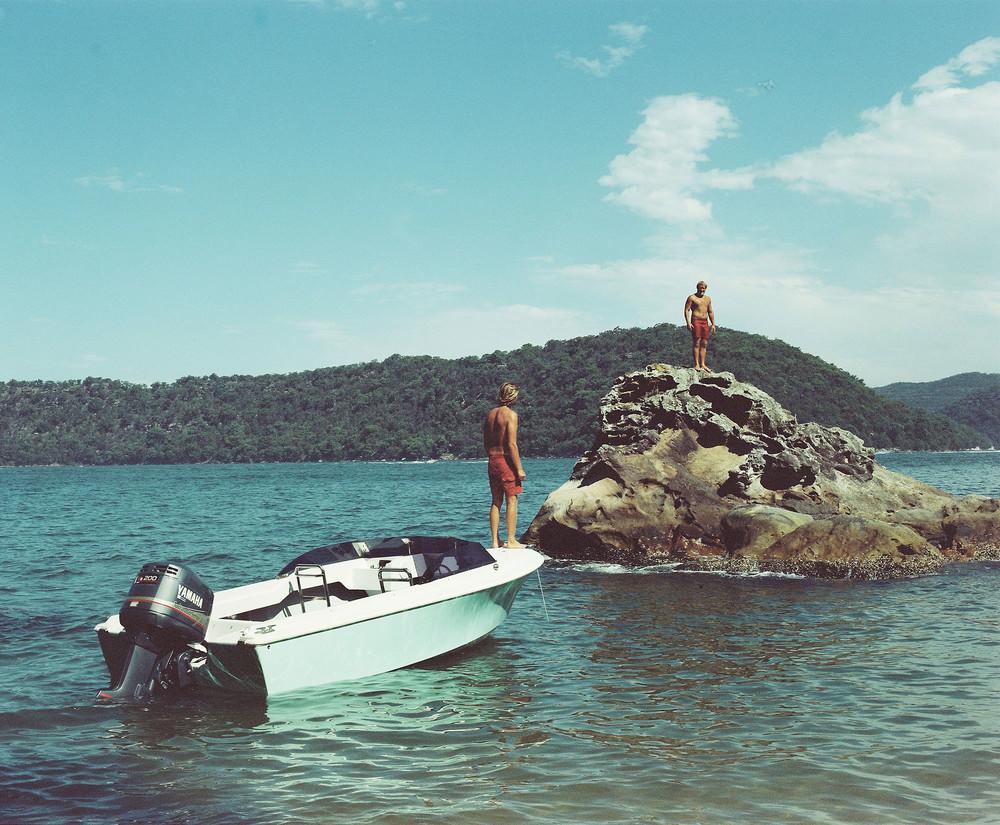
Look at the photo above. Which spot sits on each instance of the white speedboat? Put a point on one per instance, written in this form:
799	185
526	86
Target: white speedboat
338	612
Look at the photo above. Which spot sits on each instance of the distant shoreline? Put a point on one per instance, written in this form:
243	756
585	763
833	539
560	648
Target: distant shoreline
416	461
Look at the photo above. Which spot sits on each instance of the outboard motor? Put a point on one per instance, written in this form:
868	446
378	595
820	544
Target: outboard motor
167	608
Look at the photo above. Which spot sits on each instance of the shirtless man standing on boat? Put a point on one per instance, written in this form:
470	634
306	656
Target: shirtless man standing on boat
505	470
700	319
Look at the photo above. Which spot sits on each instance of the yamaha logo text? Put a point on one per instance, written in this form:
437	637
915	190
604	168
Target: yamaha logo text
190	596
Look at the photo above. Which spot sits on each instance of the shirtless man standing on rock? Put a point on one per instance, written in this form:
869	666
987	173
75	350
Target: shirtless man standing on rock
700	319
505	470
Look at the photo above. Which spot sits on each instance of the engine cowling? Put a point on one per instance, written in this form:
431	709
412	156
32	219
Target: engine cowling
167	608
168	602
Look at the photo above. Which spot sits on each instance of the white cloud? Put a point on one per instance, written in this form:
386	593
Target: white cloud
88	360
449	333
407	291
939	151
628	37
629	32
872	331
934	158
681	264
365	6
942	147
325	332
477	330
660	178
369	8
881	307
972	61
133	183
934	149
881	333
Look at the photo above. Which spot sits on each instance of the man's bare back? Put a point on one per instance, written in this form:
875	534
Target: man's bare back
497	429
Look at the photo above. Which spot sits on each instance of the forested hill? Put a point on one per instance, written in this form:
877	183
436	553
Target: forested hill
979	410
937	396
422	407
972	398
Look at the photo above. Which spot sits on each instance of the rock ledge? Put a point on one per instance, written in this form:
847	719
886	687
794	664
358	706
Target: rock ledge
713	474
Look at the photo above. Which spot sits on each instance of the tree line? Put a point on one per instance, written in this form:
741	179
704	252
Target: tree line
423	407
971	398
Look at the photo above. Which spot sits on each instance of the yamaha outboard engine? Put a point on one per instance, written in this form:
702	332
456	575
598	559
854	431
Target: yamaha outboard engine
167	609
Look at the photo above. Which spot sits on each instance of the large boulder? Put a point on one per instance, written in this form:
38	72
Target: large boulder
713	474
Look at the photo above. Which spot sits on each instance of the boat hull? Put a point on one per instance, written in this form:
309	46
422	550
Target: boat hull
364	648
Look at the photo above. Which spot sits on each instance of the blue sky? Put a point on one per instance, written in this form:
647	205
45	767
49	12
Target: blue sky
254	187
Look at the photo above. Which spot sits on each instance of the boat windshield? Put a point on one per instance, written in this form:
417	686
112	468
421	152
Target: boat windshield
444	555
325	555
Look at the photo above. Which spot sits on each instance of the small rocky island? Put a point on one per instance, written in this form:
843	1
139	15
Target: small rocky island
710	473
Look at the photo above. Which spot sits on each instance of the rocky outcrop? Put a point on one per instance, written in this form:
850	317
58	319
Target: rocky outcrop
713	474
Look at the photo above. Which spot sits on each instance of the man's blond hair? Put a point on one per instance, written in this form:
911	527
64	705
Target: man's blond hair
507	394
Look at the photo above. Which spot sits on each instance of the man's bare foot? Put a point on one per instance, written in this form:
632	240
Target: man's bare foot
706	369
514	545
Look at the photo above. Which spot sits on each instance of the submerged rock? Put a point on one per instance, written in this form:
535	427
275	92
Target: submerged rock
712	473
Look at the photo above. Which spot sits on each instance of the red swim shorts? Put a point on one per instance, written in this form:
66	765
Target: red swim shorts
700	328
502	478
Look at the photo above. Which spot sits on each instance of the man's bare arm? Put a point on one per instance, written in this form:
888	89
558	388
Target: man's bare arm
688	309
711	313
510	444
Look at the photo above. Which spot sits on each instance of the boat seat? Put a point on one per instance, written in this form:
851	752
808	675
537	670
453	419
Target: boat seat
367	578
337	590
292	603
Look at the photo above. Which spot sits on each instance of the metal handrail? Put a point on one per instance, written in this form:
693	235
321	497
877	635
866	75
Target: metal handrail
314	571
403	570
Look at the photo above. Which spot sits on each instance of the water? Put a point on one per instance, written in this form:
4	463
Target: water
646	697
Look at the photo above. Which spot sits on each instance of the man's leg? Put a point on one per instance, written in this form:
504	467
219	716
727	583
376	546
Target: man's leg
512	522
694	350
495	517
702	352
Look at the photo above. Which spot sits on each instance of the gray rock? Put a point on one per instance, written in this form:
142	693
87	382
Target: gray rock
712	473
852	547
752	528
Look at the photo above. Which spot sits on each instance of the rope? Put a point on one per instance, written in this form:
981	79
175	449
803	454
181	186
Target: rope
542	592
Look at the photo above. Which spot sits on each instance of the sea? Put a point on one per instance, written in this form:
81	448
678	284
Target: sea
610	695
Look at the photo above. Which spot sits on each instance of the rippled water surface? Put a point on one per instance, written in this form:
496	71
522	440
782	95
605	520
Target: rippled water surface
640	697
